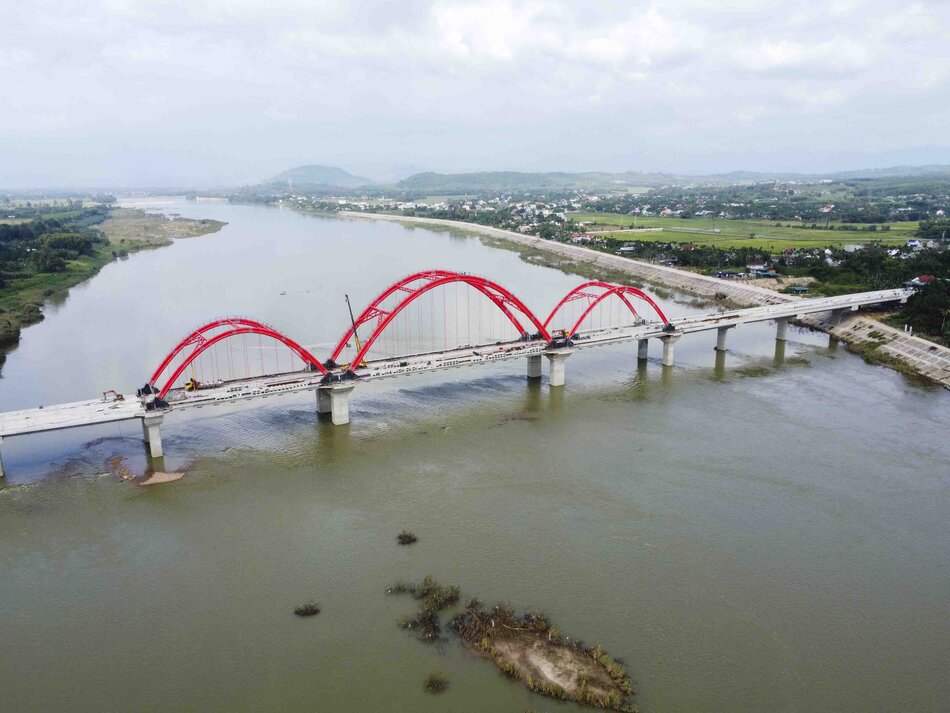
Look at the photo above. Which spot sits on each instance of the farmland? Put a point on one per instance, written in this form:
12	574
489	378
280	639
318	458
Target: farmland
759	234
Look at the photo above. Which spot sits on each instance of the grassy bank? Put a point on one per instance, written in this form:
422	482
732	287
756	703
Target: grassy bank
125	230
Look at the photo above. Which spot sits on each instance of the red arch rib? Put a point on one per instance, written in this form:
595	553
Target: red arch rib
500	296
197	336
433	278
609	289
205	343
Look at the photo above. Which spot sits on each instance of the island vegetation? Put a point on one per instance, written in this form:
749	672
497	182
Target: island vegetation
435	682
525	648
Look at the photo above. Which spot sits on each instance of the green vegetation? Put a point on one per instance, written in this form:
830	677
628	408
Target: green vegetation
529	649
928	312
52	249
46	248
435	683
737	233
308	609
434	597
526	648
872	353
406	538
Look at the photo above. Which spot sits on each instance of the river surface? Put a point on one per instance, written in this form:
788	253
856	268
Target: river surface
766	531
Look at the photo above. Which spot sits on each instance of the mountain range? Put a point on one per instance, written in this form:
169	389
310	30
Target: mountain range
325	178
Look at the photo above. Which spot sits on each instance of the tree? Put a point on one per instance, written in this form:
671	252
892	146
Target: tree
46	260
927	310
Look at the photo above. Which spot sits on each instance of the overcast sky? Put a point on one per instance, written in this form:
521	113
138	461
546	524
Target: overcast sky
132	92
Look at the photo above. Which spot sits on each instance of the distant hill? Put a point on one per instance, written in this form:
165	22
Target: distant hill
314	176
513	180
451	183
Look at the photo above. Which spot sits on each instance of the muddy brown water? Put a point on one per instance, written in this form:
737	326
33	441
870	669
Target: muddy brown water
761	532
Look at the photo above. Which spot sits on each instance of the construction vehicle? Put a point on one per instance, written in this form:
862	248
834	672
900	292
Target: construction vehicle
112	395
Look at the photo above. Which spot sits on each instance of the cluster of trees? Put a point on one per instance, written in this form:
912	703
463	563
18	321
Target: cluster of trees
934	229
46	244
506	217
855	201
870	268
928	311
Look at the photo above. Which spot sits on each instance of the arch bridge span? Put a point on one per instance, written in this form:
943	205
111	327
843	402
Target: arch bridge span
633	315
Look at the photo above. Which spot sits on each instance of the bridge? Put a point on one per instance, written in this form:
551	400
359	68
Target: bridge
428	321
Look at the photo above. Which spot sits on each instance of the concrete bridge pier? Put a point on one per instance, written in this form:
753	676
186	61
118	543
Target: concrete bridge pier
837	314
779	357
668	341
721	337
643	349
334	399
1	459
534	366
719	366
781	329
557	365
152	431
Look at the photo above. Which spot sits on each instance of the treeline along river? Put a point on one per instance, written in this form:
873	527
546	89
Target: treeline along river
766	532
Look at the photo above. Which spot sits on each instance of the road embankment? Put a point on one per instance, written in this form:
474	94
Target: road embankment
875	341
738	293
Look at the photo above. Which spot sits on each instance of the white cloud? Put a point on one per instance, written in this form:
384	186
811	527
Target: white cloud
615	68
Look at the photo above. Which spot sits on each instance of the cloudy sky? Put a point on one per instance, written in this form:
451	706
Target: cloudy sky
140	92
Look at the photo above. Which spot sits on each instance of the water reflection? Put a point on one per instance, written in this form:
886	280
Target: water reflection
719	369
779	357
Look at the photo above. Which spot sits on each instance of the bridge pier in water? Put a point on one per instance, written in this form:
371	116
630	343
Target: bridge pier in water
335	400
643	349
557	359
1	459
152	432
534	366
721	337
668	341
781	329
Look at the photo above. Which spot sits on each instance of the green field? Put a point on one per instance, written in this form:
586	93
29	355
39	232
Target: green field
762	234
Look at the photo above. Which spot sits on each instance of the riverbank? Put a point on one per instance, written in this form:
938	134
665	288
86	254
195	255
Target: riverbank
126	230
896	350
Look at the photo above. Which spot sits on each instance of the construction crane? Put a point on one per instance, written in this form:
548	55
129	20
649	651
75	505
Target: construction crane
356	335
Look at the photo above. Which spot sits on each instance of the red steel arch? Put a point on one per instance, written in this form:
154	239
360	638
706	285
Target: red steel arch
608	289
430	280
236	326
421	282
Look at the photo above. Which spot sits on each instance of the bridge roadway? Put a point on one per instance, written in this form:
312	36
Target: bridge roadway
333	398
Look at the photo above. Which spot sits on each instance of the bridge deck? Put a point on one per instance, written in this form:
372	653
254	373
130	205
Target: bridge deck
71	415
85	413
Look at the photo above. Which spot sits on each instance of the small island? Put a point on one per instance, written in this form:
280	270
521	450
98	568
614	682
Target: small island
526	648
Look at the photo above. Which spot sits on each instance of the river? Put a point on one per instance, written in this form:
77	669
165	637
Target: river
764	532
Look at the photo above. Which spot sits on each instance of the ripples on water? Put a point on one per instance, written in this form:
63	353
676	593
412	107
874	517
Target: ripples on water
757	532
